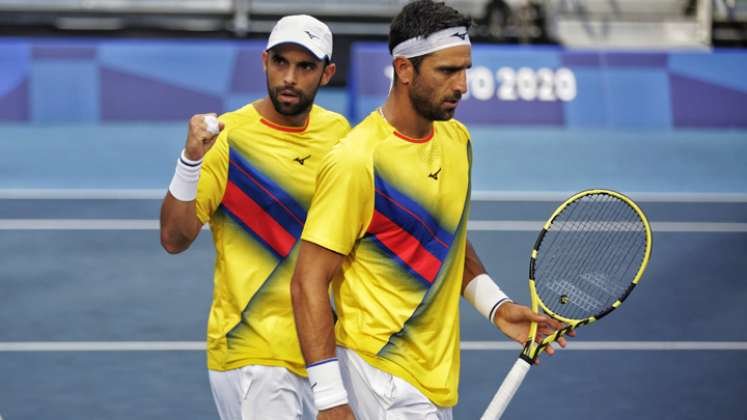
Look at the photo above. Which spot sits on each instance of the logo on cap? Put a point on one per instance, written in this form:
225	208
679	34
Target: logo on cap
311	36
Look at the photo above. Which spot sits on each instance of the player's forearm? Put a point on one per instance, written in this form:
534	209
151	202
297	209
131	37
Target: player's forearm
179	224
479	289
311	305
314	324
472	266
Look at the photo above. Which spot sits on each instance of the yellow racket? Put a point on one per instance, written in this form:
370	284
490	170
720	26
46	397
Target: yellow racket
587	259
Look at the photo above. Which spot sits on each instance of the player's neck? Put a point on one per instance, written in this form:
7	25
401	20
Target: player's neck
267	110
400	113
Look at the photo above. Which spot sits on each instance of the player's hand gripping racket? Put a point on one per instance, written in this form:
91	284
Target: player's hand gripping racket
587	259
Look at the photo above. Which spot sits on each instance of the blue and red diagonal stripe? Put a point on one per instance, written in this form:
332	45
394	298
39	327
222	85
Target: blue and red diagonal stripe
261	207
408	233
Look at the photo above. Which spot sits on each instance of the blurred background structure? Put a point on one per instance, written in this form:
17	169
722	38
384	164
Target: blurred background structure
598	23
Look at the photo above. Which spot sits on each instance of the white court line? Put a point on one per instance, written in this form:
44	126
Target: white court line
482	195
650	197
535	226
78	224
473	225
82	346
618	345
81	194
30	346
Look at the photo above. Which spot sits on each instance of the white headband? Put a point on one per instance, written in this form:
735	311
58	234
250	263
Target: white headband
447	38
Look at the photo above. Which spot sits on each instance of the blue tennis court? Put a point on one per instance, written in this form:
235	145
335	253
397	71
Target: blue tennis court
88	303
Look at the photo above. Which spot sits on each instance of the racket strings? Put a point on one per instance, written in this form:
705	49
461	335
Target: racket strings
565	291
589	220
633	245
566	244
598	281
586	260
608	291
594	277
590	212
558	286
636	249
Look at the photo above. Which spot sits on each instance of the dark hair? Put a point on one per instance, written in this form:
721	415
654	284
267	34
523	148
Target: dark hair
422	18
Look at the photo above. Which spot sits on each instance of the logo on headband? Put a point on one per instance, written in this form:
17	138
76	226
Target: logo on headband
417	46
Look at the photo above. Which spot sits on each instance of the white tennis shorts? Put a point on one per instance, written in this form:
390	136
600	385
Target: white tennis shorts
376	395
260	393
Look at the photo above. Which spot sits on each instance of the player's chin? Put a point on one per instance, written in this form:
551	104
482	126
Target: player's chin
448	109
445	114
291	109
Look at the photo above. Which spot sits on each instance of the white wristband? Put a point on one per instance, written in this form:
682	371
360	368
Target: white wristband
326	384
485	295
186	176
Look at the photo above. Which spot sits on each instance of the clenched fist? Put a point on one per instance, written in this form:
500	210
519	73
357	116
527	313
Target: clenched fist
203	130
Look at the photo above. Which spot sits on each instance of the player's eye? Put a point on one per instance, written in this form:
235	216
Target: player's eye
308	66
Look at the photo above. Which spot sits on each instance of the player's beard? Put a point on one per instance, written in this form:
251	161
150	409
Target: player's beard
427	107
304	103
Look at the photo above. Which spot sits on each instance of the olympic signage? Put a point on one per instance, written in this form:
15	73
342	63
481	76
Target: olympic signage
553	87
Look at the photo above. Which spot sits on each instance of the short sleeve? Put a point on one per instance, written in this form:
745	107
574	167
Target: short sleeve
213	178
463	131
344	126
342	205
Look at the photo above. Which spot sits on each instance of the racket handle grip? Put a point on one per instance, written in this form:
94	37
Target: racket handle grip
507	390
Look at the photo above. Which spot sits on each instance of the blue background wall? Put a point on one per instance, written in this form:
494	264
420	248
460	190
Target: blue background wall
102	81
76	113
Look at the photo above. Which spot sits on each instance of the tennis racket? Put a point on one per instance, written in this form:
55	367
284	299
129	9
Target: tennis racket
587	259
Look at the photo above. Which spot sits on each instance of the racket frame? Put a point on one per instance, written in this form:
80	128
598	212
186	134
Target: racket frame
533	349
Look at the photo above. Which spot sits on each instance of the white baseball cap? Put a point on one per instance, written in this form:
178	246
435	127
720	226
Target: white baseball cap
304	30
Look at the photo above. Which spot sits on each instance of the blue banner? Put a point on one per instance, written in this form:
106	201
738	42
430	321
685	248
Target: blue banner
541	118
79	80
155	80
552	87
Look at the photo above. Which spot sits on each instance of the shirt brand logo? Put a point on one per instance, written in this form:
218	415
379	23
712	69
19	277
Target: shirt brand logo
435	175
301	160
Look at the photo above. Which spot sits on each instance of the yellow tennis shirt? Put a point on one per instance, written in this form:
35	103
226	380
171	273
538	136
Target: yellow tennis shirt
254	190
397	208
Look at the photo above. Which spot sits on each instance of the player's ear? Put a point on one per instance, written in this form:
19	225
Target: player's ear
265	57
404	70
329	71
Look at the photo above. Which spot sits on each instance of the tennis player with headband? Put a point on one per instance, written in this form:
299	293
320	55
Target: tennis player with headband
387	228
250	175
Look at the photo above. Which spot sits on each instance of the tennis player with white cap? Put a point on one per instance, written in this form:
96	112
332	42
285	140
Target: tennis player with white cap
251	174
